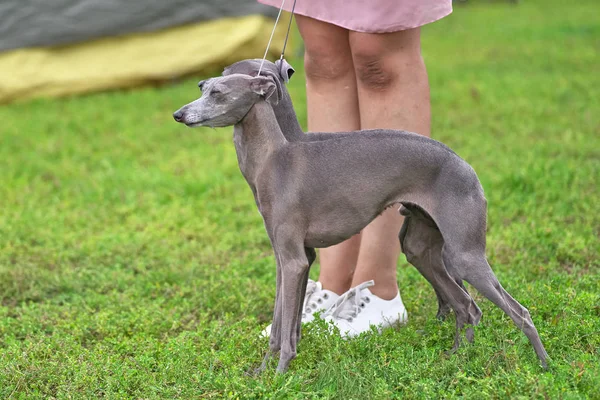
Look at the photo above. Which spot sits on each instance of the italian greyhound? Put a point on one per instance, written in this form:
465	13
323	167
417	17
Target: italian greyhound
281	72
314	194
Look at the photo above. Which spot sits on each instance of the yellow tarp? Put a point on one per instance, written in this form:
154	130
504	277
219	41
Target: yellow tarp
136	59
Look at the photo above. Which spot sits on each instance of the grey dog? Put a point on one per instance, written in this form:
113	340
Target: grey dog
315	194
422	257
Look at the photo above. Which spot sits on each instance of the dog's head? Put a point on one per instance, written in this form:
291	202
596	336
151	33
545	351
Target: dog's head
226	100
280	71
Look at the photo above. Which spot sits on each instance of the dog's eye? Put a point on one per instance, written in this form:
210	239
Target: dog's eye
219	89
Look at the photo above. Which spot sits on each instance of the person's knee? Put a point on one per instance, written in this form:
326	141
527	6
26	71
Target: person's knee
373	72
323	62
327	55
380	62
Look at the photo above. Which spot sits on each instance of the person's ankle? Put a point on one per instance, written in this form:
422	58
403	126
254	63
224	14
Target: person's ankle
338	288
384	292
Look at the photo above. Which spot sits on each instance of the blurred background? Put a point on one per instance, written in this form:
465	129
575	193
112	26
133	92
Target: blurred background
133	261
78	46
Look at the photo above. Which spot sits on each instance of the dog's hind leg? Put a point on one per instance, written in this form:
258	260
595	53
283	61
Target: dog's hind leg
443	305
422	243
464	248
410	253
481	276
413	213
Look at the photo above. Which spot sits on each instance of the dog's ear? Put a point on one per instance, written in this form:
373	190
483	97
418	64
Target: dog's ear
275	76
266	88
285	69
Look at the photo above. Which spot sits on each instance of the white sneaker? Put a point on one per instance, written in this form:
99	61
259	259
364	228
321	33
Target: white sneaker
356	310
316	299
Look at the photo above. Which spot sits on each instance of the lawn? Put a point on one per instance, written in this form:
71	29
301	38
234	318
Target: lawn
133	262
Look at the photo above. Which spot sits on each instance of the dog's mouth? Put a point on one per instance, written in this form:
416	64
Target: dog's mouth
195	124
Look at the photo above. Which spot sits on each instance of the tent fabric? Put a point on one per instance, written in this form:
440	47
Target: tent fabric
36	23
134	59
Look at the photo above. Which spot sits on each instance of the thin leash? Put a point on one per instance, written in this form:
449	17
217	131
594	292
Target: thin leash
273	32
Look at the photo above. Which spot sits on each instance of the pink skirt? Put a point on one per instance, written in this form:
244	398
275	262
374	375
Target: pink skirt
373	16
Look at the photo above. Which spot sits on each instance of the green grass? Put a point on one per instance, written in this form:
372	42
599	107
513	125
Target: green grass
133	262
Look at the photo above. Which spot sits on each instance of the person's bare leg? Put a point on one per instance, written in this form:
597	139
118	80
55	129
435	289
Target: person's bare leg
393	92
332	104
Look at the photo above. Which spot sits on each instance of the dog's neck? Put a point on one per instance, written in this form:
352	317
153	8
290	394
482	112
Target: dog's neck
255	137
286	117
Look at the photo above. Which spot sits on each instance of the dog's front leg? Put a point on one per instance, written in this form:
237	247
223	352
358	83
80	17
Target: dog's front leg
275	334
275	339
294	272
304	283
311	256
289	249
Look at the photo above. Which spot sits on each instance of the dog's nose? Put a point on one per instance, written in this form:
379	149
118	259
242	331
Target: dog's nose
178	115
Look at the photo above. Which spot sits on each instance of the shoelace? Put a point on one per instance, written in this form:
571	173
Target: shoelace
350	303
309	306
